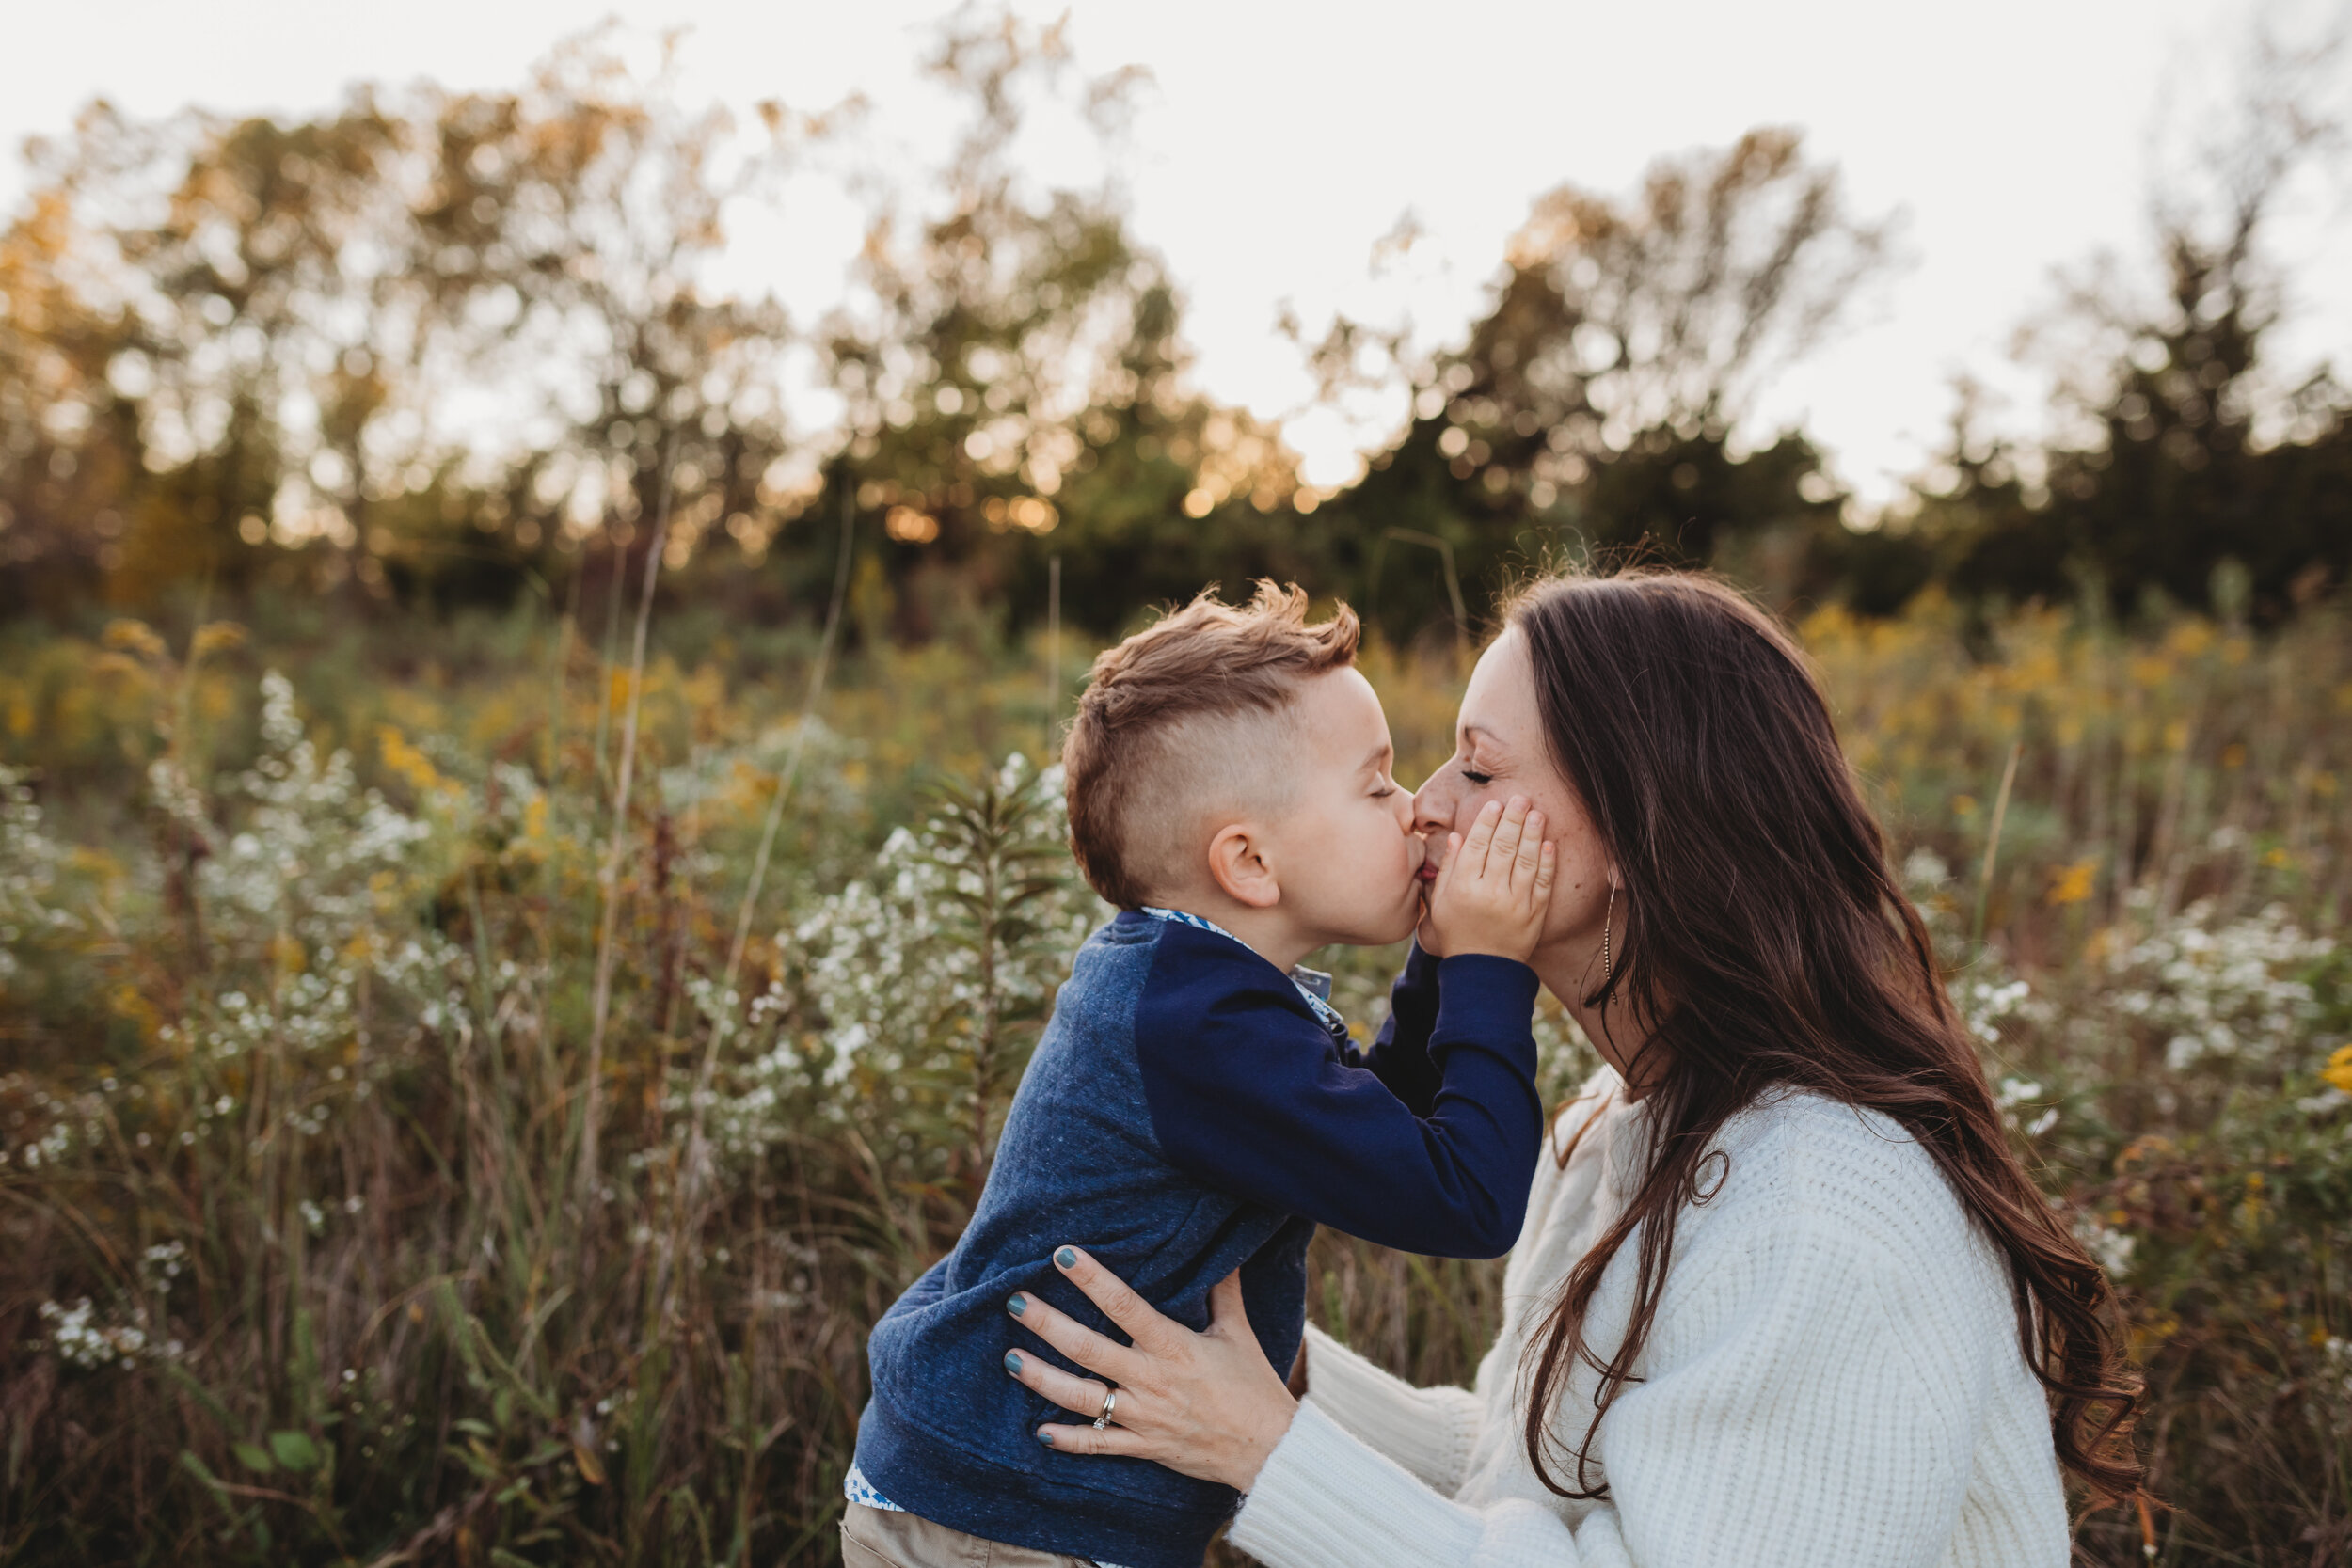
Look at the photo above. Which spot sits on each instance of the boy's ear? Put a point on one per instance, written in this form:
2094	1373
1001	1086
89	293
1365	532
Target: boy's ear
1238	859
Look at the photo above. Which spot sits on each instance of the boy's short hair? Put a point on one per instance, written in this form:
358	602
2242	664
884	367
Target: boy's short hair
1160	742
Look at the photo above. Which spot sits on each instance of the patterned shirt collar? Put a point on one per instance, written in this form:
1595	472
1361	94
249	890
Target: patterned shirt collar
1312	984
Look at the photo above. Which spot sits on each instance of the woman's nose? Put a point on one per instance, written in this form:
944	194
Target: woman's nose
1432	803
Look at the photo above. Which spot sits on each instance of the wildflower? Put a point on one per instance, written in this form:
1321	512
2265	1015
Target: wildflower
1984	1002
2338	1353
2070	884
2016	1091
77	1335
2225	991
2110	1249
2338	1072
160	1264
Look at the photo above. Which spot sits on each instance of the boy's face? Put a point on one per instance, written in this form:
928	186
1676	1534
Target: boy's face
1347	856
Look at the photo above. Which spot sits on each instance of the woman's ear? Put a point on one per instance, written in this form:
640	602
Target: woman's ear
1238	859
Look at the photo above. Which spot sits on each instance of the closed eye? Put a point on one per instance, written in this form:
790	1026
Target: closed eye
1482	779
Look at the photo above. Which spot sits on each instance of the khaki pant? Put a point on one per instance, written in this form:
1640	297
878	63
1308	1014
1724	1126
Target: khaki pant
878	1538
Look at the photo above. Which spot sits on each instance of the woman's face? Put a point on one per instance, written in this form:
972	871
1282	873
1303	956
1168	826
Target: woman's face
1499	751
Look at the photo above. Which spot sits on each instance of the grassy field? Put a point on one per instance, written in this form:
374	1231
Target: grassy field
463	1102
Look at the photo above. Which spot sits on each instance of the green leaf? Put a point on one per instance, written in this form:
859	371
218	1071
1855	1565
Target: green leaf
252	1458
196	1391
294	1451
202	1472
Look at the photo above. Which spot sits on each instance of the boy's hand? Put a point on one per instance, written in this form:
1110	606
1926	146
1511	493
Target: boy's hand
1494	888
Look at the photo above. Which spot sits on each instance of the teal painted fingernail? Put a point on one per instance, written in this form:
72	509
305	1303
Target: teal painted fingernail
1046	1438
1012	1362
1067	1258
1016	1305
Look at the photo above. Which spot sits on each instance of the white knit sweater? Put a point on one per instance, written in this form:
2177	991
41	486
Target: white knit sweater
1833	1380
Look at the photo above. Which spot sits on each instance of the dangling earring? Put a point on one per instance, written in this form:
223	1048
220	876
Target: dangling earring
1608	969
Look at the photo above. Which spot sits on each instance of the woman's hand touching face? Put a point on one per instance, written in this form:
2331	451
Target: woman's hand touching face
1500	752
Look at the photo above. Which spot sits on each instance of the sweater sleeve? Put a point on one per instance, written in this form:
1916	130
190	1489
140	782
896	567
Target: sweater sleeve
1399	1053
1325	1500
1808	1401
1428	1431
1247	1093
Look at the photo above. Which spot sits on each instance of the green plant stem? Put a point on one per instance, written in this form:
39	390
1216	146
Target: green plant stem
1992	848
609	879
721	1026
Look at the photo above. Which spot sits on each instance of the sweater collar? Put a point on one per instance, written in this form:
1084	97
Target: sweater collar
1312	984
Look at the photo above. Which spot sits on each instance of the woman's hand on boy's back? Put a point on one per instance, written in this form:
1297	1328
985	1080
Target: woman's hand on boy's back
1494	888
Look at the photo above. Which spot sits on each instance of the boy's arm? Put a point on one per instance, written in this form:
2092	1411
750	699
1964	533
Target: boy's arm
1249	1094
1399	1053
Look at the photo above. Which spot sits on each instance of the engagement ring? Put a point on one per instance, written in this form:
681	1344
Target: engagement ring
1110	1402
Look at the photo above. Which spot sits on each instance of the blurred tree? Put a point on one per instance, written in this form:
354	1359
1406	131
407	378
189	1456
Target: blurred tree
562	241
70	446
431	347
222	243
1976	522
1599	396
407	341
1015	389
2190	450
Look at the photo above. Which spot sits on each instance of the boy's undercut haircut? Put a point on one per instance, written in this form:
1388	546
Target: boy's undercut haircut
1188	718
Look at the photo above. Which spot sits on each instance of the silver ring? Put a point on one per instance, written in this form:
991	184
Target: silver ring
1110	1402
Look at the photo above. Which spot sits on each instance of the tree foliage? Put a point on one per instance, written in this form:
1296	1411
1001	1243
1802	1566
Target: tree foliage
2196	471
1597	403
434	348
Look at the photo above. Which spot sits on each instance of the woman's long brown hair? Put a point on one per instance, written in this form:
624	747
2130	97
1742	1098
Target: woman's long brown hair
1769	944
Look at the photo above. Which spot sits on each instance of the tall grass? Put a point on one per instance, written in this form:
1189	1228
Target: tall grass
303	1257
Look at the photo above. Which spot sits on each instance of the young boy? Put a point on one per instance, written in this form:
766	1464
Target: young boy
1195	1105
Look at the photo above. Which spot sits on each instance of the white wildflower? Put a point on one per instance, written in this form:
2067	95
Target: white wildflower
2110	1249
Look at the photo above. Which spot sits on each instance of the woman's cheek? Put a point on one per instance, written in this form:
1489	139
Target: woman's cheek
1560	918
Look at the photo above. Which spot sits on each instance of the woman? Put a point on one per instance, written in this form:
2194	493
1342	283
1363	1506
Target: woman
1784	1294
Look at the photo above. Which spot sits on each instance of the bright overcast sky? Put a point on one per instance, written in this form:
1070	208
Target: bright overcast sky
1280	141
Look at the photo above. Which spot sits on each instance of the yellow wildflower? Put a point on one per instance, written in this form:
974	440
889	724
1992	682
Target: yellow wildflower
2190	638
215	636
406	759
135	637
2070	884
2338	1069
